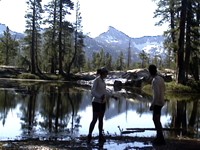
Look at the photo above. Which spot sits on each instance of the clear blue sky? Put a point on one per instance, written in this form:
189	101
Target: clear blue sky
133	17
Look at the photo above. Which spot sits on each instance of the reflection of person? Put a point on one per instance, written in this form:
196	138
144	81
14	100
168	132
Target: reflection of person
158	87
99	94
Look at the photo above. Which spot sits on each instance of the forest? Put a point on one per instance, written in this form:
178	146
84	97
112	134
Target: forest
59	47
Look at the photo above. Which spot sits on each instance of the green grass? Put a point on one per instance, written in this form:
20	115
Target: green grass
27	76
177	92
173	87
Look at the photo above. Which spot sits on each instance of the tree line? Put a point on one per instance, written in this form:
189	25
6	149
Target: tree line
56	48
59	47
183	36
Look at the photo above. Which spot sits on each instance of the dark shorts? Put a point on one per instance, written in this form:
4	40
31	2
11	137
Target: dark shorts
157	110
98	107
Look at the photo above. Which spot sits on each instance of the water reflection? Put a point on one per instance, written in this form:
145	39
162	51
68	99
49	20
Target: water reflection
55	110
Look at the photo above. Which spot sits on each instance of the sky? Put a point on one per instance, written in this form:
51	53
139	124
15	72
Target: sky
133	17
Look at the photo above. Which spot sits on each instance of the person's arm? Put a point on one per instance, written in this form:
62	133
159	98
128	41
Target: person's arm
115	97
109	94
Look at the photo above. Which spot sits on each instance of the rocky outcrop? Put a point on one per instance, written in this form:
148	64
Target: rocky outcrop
10	71
138	77
119	79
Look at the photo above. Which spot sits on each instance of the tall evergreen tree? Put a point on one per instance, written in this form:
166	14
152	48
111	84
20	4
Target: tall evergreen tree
129	55
51	36
193	31
181	40
33	37
63	5
58	34
108	61
168	11
120	62
78	58
9	48
183	35
144	57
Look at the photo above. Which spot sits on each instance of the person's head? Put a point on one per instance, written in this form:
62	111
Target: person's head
103	72
98	71
152	70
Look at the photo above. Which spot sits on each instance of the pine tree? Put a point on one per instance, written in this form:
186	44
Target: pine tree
58	35
108	61
168	11
193	39
33	36
9	48
63	5
129	55
144	57
96	61
183	35
51	36
120	63
78	58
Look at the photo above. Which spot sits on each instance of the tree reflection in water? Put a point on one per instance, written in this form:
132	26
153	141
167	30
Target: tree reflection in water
52	110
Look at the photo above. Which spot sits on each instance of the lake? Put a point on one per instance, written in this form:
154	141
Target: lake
46	110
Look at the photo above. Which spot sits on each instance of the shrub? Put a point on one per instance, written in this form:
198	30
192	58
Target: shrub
27	76
178	88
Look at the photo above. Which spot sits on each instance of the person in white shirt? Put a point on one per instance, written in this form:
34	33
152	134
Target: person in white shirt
99	96
158	88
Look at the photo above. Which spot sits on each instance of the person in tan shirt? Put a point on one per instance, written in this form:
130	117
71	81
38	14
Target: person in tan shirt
158	88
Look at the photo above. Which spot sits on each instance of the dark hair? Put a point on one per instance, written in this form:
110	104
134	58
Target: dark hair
152	70
103	70
98	71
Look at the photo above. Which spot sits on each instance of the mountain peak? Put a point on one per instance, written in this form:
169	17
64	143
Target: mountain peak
13	33
112	35
114	41
112	30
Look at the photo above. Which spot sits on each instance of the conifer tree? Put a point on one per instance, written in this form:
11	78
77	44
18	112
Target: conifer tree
9	48
108	61
51	36
63	5
183	34
120	62
78	57
129	55
144	58
58	34
33	35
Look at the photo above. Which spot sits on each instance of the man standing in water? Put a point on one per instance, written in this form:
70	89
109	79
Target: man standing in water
158	87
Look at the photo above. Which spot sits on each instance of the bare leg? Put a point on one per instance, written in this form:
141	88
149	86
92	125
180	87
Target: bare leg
159	138
158	125
101	137
101	115
93	122
91	128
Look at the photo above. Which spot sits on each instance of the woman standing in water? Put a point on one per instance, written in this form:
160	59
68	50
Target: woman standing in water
99	94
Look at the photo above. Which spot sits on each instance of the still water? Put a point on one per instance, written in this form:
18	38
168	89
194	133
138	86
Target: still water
62	110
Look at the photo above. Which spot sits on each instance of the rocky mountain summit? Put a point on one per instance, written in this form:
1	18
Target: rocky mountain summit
14	34
114	41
